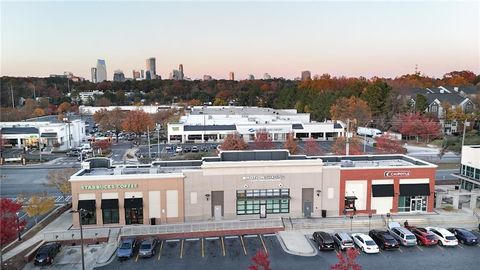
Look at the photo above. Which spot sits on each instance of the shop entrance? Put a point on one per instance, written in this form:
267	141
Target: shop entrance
217	205
416	204
307	201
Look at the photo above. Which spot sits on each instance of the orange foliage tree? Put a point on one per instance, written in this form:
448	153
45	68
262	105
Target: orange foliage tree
234	142
138	121
339	147
352	108
64	107
290	144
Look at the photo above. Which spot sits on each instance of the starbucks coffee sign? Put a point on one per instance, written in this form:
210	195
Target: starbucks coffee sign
263	177
105	187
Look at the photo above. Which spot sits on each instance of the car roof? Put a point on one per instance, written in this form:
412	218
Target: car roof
147	241
343	235
128	240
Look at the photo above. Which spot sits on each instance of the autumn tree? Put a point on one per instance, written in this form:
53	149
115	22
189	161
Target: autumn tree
352	108
263	140
347	261
138	121
39	205
339	147
10	225
102	146
260	262
103	102
110	120
38	112
290	144
233	142
312	148
418	126
386	145
59	180
63	107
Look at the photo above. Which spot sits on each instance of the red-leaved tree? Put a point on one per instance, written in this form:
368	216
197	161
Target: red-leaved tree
10	225
233	142
347	261
312	148
419	126
385	145
263	140
260	261
290	144
339	147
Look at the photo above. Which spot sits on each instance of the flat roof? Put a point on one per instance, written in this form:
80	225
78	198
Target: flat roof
239	110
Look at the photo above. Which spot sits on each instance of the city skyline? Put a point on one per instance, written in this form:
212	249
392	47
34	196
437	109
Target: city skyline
365	39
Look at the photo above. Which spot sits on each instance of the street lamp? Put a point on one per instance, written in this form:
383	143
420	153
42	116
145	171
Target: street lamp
365	136
18	227
81	215
351	221
369	220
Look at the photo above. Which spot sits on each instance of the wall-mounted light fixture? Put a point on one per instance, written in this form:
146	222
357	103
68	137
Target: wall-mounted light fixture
207	196
318	192
280	185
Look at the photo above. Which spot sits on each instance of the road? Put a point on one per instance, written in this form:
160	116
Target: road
17	180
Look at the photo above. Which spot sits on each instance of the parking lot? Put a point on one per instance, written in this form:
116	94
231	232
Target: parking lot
235	252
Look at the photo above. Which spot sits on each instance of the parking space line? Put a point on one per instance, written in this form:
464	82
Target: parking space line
223	246
419	248
172	240
231	237
181	249
136	259
211	238
399	249
243	245
336	251
263	244
269	234
203	249
192	239
440	248
160	252
460	245
250	236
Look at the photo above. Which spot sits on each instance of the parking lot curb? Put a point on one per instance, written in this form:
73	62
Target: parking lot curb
297	253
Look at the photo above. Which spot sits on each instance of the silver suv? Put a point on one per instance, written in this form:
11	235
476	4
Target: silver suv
404	236
343	240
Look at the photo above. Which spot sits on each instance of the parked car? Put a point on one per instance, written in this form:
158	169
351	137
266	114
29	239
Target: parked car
343	241
147	248
194	149
424	237
401	234
464	236
186	149
127	246
204	149
445	238
73	153
365	243
324	241
47	253
383	239
178	149
168	148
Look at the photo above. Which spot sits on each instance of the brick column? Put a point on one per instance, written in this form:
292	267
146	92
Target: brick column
121	209
396	195
98	212
146	212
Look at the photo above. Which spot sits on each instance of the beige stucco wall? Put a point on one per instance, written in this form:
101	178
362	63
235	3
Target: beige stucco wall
145	186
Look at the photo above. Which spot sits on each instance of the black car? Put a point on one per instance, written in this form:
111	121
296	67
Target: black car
73	153
46	253
324	241
464	236
383	239
187	149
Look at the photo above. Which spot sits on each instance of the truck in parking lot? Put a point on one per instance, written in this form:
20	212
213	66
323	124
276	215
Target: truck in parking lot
370	132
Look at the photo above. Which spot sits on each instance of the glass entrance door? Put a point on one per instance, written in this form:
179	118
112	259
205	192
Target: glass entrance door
416	204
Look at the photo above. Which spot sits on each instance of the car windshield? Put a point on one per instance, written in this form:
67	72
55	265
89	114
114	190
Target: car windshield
388	237
145	246
450	238
370	243
431	237
126	246
347	242
410	237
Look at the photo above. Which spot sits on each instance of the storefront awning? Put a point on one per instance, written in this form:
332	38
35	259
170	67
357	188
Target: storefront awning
86	205
382	190
110	204
133	203
415	190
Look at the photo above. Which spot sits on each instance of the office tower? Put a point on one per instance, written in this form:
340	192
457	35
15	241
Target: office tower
180	68
175	75
148	75
251	77
142	74
151	66
207	77
231	76
306	76
94	74
101	70
136	74
118	76
267	76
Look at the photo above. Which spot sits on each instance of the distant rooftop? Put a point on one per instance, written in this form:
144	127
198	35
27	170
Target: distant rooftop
239	110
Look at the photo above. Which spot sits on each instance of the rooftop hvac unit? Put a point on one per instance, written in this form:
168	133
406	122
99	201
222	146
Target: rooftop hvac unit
86	165
347	163
118	170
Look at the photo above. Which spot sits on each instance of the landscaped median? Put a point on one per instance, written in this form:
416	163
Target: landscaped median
296	243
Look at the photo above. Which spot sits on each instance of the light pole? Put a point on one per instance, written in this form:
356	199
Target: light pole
158	140
351	221
80	216
18	227
365	136
369	220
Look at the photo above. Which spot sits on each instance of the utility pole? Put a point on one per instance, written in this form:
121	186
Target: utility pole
347	145
148	138
11	91
158	140
464	130
34	92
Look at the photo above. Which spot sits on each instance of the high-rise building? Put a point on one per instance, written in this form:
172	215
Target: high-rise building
94	74
175	75
180	68
148	75
152	67
207	77
306	76
142	74
267	76
251	77
118	76
231	76
101	70
135	74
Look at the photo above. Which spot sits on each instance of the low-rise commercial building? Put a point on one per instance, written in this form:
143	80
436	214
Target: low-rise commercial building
251	185
470	171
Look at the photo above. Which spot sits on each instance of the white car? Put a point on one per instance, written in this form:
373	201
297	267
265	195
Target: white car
179	149
365	243
445	238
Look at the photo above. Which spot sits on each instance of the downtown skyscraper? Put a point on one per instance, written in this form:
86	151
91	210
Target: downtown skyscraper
151	68
101	71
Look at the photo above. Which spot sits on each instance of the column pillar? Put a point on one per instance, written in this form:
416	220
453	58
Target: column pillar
98	206
438	202
19	143
324	136
455	201
121	208
146	210
473	201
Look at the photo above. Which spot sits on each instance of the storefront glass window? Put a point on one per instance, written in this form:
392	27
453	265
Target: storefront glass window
276	201
110	216
134	216
89	218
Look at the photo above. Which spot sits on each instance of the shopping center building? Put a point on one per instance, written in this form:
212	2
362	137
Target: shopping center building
470	171
214	123
238	185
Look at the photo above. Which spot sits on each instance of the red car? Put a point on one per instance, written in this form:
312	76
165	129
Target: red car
424	238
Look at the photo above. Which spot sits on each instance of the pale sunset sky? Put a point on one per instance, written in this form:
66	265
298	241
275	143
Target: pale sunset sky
351	38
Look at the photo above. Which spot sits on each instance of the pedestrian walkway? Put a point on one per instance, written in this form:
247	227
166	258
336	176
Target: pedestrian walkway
110	248
64	222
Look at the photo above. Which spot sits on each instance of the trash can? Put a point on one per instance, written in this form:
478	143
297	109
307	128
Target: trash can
152	221
324	213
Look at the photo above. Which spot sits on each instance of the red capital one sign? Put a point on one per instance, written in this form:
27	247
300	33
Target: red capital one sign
396	173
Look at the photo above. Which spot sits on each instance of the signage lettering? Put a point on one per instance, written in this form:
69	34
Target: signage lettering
112	186
263	177
396	173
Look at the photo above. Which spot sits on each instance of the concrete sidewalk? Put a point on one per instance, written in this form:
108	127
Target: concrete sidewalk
63	222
